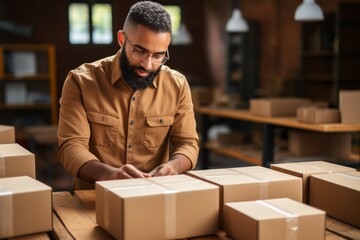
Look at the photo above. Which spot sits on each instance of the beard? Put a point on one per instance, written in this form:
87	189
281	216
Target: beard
135	81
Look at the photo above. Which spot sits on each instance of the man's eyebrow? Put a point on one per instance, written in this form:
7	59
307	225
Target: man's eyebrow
144	49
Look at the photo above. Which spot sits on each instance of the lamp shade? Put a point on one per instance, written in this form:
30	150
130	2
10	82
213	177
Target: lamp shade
308	10
182	37
236	23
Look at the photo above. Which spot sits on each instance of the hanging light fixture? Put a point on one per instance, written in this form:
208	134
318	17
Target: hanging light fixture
182	37
309	10
237	23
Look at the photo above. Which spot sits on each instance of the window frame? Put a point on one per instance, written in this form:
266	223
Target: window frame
90	3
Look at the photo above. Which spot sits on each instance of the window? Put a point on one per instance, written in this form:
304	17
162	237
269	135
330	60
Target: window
86	18
175	15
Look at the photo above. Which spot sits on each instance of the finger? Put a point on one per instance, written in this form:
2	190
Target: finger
133	172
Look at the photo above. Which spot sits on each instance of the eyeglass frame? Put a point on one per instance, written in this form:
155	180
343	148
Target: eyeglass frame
165	58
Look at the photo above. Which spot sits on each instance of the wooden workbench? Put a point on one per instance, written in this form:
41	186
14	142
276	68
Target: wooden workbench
74	218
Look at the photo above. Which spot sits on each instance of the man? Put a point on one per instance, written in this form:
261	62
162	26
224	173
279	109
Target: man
129	115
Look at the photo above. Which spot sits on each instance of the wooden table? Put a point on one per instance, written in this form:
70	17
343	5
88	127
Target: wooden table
74	218
269	124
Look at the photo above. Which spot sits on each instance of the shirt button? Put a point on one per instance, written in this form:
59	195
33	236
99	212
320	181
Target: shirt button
131	122
129	146
161	120
133	98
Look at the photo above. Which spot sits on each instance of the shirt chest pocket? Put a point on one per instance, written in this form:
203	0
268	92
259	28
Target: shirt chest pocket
156	130
104	128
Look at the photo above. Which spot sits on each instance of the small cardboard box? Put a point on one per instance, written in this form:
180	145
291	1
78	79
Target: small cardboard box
7	134
274	219
338	194
15	160
305	169
349	105
25	207
250	183
272	107
307	143
169	207
318	115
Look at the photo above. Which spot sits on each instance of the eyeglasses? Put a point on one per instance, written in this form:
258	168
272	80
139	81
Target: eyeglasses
142	55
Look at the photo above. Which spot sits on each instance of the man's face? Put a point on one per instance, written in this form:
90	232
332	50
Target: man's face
136	75
140	72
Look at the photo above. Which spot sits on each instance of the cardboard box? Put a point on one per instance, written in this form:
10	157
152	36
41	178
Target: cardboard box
274	219
169	207
338	194
308	143
349	105
25	206
318	115
250	183
272	107
7	134
305	169
15	160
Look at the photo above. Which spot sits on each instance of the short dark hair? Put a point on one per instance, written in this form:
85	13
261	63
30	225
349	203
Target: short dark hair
150	14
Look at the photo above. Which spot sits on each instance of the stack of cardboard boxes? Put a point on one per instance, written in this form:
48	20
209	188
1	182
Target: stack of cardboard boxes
247	202
25	203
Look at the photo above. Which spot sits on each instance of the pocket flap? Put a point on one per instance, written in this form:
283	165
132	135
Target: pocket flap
160	121
102	118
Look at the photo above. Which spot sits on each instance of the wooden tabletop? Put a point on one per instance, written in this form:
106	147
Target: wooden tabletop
74	218
292	122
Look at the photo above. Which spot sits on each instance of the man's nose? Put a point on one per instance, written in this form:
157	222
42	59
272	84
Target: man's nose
147	63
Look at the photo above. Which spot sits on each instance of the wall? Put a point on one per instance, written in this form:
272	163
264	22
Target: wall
203	62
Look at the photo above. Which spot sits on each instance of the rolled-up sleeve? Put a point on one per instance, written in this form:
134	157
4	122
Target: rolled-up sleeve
73	129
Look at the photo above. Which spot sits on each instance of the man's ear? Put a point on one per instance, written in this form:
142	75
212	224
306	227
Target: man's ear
121	38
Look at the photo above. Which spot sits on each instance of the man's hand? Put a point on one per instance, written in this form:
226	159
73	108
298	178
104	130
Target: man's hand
177	164
96	171
129	171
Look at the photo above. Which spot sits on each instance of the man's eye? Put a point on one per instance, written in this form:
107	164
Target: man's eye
142	53
158	56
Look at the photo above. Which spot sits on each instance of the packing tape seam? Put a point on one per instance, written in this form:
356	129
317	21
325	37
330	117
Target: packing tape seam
292	224
6	213
316	168
169	209
2	166
347	175
264	184
106	209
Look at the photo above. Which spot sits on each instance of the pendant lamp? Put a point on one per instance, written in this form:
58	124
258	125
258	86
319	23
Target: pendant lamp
236	23
309	10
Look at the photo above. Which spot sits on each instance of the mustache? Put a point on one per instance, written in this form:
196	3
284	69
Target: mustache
142	69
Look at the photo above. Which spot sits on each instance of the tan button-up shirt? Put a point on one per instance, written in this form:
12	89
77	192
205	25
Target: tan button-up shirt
102	118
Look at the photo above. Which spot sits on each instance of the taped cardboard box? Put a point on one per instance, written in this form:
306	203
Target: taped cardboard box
250	183
7	134
318	115
15	160
25	206
349	106
305	169
169	207
274	219
338	194
307	143
272	107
